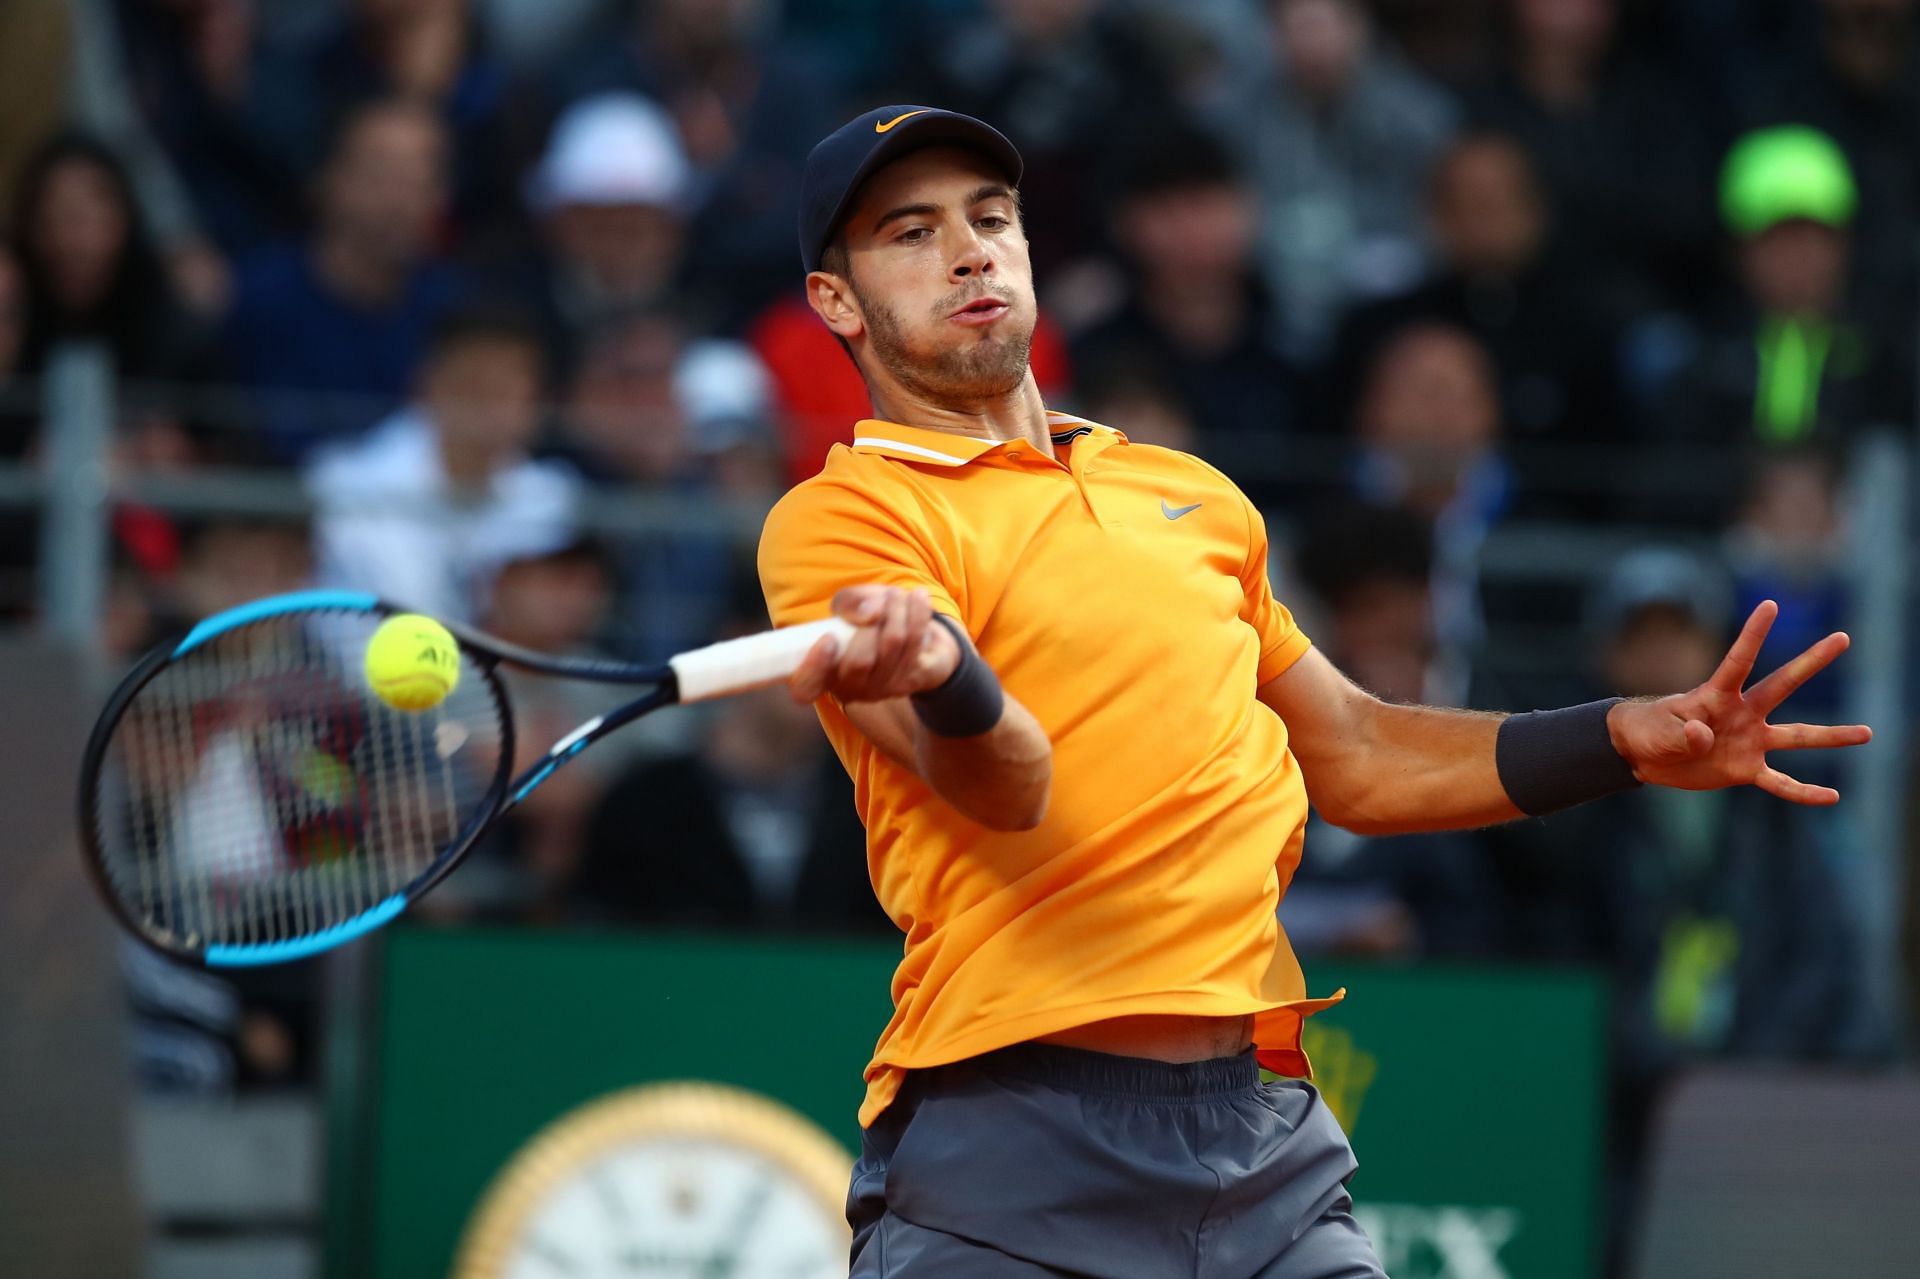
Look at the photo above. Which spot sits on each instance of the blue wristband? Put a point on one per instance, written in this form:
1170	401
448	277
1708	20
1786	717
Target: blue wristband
970	701
1550	760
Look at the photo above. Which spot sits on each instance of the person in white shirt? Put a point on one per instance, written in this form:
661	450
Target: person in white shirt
426	508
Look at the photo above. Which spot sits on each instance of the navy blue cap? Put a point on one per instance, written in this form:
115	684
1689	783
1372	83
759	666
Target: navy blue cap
852	153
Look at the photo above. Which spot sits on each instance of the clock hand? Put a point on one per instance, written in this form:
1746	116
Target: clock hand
555	1258
724	1263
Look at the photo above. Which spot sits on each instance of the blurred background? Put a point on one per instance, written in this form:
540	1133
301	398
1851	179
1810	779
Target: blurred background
1551	335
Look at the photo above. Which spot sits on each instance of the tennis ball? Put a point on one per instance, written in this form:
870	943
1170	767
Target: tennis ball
412	662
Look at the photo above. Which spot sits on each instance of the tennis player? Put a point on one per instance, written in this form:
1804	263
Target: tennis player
1083	735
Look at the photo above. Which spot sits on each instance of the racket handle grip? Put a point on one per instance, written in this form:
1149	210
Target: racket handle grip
734	666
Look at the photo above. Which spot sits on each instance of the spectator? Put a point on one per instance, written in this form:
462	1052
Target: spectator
431	53
244	1029
552	601
102	104
629	420
225	563
748	109
1622	143
193	70
756	828
1185	222
1340	134
1429	432
91	274
1496	278
1856	77
1371	569
1065	79
612	195
332	329
426	509
1788	544
90	269
1718	911
1143	399
1786	363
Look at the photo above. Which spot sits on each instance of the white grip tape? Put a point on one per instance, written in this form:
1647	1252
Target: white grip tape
734	666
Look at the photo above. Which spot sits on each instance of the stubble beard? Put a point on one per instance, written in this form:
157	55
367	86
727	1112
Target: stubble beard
989	368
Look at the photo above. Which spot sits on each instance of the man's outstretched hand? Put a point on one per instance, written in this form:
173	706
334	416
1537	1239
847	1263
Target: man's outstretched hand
1717	735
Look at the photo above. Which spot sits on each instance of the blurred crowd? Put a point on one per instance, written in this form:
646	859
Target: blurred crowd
1409	272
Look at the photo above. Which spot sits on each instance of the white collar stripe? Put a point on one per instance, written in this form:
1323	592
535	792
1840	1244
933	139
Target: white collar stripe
875	441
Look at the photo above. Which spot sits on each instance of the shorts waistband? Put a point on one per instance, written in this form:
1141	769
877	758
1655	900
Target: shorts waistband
1083	1071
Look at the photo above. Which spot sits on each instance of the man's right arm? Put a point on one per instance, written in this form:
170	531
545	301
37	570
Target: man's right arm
1000	778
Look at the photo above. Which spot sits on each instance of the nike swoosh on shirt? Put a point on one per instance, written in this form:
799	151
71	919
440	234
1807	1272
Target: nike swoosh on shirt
882	128
1175	512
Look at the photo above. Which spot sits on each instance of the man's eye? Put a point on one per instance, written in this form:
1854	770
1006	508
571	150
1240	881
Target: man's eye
915	235
993	222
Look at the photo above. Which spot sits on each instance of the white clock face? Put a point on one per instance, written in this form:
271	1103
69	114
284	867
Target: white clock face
684	1207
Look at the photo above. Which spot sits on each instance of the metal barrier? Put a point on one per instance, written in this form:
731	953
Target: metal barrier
73	490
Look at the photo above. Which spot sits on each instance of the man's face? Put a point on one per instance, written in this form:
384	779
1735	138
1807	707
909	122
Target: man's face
1383	636
1868	42
1797	267
1578	26
484	394
623	404
1660	649
626	252
941	286
386	185
81	231
1199	232
1321	43
1487	211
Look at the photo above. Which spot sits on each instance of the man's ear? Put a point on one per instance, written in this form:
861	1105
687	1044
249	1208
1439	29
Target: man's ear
831	298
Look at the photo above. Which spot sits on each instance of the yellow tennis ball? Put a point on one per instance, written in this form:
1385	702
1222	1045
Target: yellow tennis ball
412	662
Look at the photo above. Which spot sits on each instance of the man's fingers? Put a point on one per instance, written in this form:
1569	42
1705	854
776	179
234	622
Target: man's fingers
1779	686
1813	737
1775	782
809	680
860	605
1738	663
890	640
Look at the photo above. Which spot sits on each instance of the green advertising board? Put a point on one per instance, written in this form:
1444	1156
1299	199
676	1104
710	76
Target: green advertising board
1473	1096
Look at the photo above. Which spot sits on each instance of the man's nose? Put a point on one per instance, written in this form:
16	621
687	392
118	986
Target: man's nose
973	259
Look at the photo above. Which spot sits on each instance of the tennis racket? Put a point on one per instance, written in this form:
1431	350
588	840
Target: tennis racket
247	799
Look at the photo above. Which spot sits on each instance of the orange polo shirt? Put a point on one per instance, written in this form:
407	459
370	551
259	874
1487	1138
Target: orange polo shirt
1120	593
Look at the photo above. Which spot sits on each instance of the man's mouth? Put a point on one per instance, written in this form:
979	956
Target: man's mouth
980	311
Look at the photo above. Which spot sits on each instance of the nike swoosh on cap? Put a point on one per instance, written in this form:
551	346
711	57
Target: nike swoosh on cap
1175	512
882	128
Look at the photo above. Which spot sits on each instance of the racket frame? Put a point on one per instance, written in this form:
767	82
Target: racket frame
712	671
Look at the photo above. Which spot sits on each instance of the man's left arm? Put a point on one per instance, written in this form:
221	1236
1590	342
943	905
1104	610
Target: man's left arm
1381	769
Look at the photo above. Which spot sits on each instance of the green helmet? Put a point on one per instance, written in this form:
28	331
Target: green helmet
1785	172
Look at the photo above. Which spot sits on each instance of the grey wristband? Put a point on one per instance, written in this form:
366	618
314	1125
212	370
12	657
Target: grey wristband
970	701
1550	760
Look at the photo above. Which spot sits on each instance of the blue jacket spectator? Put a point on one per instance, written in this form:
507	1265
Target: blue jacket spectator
330	331
432	53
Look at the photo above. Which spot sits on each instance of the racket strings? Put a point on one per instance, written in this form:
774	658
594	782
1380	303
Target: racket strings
255	791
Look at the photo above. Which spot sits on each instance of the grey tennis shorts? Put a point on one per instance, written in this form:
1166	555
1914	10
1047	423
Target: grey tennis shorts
1042	1161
